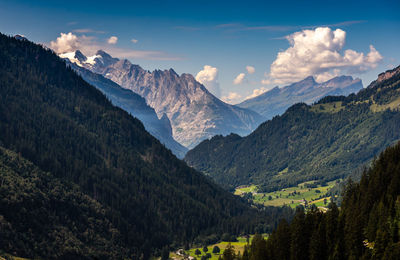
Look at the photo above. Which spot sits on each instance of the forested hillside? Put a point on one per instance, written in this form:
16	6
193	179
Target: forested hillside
43	216
326	141
131	188
367	226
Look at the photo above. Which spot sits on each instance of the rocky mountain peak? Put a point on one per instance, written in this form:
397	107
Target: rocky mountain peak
340	82
385	75
79	56
195	114
309	79
277	100
105	58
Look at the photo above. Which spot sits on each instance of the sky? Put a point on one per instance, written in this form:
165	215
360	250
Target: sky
237	49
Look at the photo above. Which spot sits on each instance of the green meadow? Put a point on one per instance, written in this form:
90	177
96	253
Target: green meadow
238	247
305	193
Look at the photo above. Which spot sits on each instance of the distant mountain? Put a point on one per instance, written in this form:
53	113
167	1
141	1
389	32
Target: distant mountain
325	141
82	179
277	100
195	114
133	104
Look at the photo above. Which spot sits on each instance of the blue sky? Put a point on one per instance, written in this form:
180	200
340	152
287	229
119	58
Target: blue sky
226	35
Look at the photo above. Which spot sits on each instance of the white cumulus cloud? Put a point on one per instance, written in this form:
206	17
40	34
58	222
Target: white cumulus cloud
208	76
319	52
239	79
250	69
257	92
112	40
134	40
232	98
67	42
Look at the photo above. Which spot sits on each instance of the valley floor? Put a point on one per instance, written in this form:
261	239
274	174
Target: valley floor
306	193
238	247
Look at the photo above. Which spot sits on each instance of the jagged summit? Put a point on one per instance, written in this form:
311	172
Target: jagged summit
195	114
127	100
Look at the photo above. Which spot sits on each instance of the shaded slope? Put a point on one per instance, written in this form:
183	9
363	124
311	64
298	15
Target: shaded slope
43	216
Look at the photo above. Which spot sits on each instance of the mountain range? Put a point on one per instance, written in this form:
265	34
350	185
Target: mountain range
195	114
277	100
136	106
326	141
82	179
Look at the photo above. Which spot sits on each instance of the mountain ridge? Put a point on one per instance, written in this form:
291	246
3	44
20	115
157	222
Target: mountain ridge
133	104
195	113
326	141
277	100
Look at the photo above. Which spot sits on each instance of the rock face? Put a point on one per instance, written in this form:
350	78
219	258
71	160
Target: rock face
133	104
195	114
277	100
384	76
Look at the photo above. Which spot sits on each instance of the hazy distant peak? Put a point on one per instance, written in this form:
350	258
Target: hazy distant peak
340	82
277	100
309	79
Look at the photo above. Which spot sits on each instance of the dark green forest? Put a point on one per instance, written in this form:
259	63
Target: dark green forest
326	141
82	178
367	225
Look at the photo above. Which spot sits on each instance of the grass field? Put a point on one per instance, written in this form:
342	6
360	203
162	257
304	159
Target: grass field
238	246
292	196
394	105
332	107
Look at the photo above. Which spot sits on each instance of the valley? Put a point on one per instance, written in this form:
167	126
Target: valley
305	194
238	246
196	130
325	141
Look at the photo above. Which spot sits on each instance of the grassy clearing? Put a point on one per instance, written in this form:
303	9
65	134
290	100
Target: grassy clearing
292	196
245	189
394	105
332	107
238	246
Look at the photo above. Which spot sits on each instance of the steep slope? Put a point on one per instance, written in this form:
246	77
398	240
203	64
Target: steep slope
367	225
277	100
28	195
325	141
195	114
66	127
136	106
